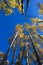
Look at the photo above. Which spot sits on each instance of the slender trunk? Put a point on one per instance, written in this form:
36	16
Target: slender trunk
38	59
6	55
5	58
12	58
27	62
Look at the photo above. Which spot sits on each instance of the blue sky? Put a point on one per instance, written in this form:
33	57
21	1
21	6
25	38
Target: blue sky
8	23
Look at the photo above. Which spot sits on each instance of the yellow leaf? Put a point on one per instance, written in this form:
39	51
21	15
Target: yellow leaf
19	28
21	35
35	20
8	11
